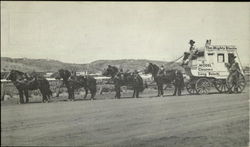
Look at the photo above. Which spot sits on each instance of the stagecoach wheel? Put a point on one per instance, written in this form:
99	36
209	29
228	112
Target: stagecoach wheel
221	85
191	87
236	82
203	86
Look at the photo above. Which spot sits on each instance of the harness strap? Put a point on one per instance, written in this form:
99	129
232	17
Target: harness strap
171	62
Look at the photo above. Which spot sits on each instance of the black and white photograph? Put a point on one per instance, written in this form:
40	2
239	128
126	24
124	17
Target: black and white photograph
125	74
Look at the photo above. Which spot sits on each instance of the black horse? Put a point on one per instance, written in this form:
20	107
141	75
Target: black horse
133	80
168	77
24	82
74	82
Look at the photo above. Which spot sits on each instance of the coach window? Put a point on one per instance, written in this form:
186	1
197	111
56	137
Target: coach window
220	58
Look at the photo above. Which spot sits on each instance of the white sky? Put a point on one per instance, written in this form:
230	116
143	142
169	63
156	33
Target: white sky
82	32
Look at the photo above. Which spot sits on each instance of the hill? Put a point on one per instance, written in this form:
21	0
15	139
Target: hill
129	64
38	65
45	65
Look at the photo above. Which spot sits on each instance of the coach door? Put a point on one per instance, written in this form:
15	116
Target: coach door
219	66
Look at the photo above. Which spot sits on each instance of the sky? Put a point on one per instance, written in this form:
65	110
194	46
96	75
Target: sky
82	32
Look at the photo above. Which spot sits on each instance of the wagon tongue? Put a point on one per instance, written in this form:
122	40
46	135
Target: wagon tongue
7	77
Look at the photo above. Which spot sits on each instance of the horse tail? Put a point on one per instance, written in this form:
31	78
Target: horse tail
92	85
145	85
50	92
47	88
141	84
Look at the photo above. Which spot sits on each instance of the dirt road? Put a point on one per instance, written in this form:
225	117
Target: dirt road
210	120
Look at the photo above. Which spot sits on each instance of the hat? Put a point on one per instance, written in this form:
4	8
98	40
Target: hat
191	42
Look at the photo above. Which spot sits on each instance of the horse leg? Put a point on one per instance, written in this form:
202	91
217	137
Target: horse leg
93	93
134	93
115	93
73	95
48	94
58	90
43	95
158	89
175	90
179	90
26	93
137	93
86	92
69	93
162	92
118	92
21	96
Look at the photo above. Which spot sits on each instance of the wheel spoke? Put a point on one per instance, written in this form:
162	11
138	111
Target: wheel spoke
242	83
223	88
233	88
240	88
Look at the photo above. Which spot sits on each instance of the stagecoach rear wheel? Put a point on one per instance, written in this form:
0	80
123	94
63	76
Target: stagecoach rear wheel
191	87
203	86
236	82
221	85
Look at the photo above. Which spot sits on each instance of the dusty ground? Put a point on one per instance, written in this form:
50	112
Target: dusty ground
186	121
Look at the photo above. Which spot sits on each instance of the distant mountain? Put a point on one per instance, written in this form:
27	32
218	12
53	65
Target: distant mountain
38	65
129	64
45	65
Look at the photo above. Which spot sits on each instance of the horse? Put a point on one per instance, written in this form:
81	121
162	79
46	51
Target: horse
23	82
74	82
168	77
124	79
65	76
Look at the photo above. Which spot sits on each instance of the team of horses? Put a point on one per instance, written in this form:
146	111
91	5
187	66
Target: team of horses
25	82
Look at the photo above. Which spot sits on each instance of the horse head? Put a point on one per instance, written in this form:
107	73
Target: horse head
151	68
64	74
14	75
110	71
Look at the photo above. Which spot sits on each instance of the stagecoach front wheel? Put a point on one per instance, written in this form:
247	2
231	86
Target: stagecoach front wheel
221	85
191	87
236	82
203	86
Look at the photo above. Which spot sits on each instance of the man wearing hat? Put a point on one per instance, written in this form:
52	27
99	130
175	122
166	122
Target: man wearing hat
189	55
161	71
178	82
191	42
234	70
136	72
121	74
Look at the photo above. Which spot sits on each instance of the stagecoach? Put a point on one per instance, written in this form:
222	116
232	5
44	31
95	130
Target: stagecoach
208	69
